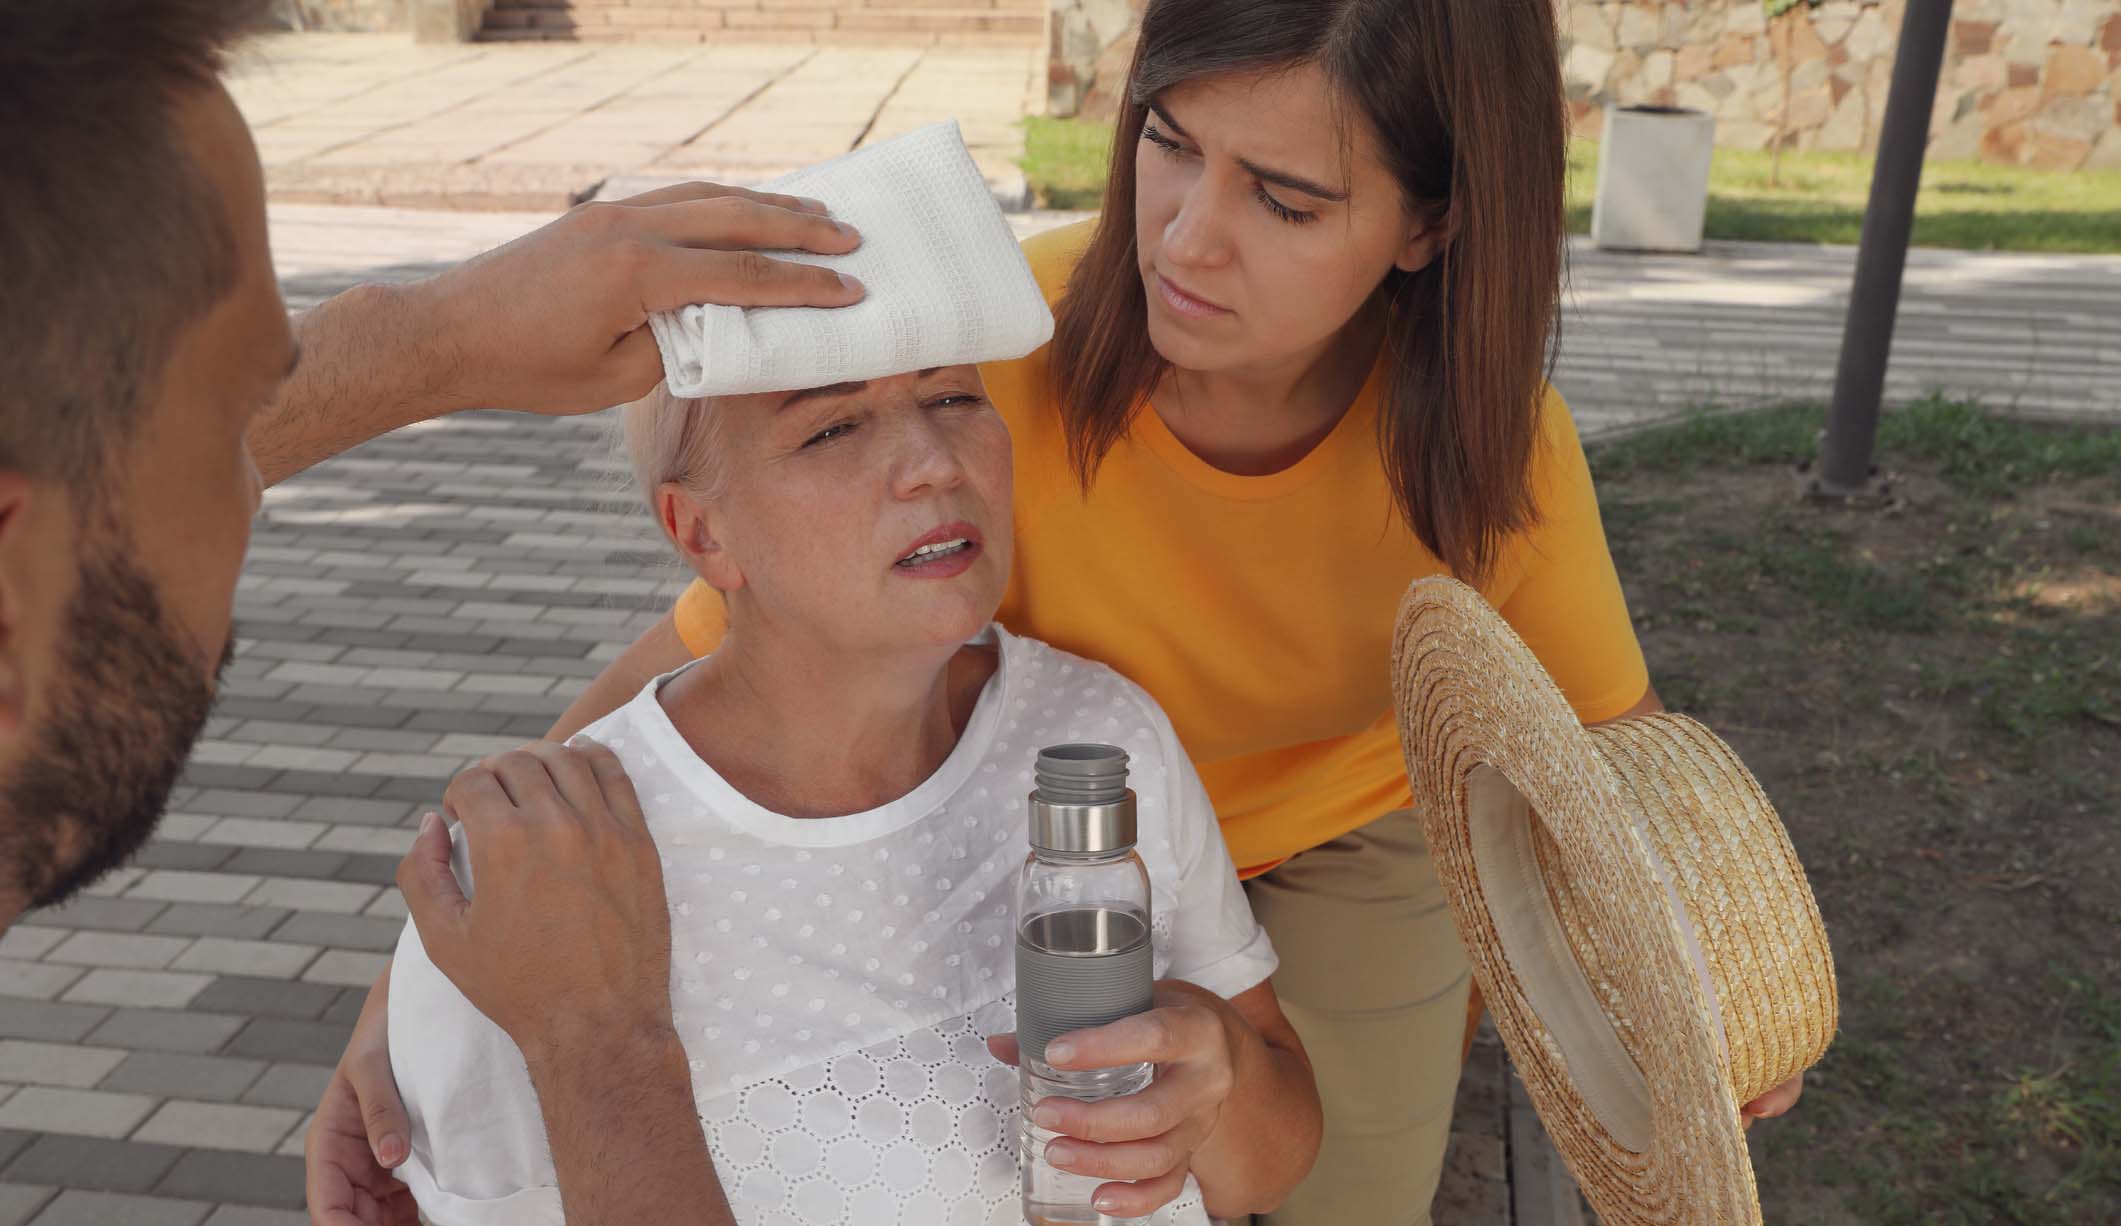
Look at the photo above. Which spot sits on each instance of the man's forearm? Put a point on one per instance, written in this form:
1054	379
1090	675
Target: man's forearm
625	1135
372	361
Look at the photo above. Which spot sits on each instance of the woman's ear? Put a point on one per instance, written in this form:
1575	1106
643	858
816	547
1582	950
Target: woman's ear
1423	241
692	524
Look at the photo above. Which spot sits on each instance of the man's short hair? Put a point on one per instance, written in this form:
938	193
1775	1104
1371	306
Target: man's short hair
112	238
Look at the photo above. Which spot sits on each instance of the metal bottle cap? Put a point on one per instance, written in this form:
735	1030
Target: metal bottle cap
1082	805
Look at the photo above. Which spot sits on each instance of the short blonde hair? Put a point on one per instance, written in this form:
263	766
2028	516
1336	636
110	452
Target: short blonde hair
673	438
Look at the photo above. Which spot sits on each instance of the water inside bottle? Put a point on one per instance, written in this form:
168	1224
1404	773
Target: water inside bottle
1085	930
1054	1197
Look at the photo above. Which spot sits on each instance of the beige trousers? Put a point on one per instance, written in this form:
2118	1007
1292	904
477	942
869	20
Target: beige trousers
1374	979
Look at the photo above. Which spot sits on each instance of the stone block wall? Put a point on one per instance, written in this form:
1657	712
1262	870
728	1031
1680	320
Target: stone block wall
2025	82
358	15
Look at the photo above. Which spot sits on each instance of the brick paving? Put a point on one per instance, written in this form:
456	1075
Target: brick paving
376	119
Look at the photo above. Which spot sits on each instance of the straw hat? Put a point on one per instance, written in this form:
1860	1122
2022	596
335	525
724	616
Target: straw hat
1647	942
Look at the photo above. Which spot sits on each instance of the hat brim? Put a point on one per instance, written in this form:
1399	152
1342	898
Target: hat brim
1576	939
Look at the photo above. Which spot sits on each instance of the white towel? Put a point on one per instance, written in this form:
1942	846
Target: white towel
946	282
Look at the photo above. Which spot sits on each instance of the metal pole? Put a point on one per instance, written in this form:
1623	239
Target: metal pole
1859	380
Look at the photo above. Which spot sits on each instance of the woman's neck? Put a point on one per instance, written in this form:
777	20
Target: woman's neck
1253	421
810	733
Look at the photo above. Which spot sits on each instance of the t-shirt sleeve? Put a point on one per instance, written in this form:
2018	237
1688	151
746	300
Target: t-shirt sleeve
1215	941
1567	605
478	1152
701	618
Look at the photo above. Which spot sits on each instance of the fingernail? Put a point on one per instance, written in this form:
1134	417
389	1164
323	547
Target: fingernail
1045	1117
1060	1153
1104	1204
428	822
852	283
1059	1052
813	204
846	229
392	1149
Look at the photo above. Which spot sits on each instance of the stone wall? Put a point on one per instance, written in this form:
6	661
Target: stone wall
2025	82
361	15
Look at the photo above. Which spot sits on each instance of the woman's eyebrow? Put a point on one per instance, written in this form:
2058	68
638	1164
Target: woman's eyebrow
1268	174
830	389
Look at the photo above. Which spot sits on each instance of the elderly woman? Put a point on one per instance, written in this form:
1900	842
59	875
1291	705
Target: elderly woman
837	792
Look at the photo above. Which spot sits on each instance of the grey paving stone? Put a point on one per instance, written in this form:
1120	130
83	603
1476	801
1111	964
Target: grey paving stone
265	998
357	715
350	784
260	708
241	1178
371	870
89	1113
29	1062
337	810
348	1007
93	1164
112	1209
138	951
299	1086
144	989
428	791
217	776
175	1075
13	1141
47	1020
251	1215
284	862
255	1130
227	802
160	854
310	894
20	1202
278	1039
188	1030
106	914
340	931
238	921
36	980
181	885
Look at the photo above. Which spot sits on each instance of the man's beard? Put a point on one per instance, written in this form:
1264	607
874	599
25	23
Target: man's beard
119	722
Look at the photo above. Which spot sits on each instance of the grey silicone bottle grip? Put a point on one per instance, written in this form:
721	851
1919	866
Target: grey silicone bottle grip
1056	993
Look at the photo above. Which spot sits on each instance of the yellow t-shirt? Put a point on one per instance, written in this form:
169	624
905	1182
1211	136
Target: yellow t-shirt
1258	610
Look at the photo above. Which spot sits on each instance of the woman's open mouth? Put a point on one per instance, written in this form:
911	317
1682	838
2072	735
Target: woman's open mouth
949	550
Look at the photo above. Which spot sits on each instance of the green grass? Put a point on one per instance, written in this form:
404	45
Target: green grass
1982	454
1066	160
1967	205
2040	674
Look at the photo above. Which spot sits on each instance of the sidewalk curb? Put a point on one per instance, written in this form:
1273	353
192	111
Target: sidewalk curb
529	189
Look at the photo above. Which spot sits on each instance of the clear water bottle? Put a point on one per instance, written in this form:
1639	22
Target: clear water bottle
1082	953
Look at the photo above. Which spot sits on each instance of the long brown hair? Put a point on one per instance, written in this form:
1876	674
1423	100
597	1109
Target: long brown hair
1465	98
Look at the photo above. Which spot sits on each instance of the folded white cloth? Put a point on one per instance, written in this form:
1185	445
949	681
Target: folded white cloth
946	282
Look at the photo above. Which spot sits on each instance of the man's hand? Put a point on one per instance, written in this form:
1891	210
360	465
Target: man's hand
568	935
556	321
1146	1139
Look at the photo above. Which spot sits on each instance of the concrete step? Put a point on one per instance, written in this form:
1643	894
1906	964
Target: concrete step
934	22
